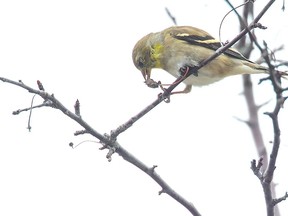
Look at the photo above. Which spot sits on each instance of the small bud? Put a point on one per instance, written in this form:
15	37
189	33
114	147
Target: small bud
77	108
40	86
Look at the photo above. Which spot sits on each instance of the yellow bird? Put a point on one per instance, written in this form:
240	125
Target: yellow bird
179	48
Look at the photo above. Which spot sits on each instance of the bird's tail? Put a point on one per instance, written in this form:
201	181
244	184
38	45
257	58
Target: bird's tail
253	68
256	68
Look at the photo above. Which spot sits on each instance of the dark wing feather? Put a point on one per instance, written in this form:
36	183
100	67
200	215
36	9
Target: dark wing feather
208	42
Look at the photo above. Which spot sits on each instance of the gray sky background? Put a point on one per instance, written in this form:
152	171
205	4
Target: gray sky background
82	50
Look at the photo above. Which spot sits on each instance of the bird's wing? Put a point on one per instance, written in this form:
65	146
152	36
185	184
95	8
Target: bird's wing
199	37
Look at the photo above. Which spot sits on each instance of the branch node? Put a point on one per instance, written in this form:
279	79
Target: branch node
282	101
270	114
165	96
109	144
161	191
115	133
152	169
243	121
103	147
285	98
256	167
264	79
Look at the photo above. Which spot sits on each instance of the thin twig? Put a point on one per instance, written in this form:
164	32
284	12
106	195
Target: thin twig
17	112
58	105
112	145
171	16
234	10
30	113
278	200
266	178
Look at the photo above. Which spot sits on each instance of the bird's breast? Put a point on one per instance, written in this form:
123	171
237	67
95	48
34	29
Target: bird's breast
205	76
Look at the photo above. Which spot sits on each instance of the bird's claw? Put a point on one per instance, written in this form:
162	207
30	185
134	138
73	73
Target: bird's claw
188	70
151	83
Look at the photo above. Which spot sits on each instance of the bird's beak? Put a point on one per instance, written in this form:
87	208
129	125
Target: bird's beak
146	73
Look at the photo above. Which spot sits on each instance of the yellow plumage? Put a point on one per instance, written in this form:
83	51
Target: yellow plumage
182	46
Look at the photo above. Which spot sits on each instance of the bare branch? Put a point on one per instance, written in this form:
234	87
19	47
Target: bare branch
44	104
112	145
275	77
253	122
53	102
278	200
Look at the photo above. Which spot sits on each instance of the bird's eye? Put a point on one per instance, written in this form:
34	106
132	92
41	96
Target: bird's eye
141	63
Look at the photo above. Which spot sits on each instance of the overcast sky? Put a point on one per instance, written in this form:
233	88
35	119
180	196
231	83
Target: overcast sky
82	50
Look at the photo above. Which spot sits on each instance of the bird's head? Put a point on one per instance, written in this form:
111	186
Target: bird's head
144	56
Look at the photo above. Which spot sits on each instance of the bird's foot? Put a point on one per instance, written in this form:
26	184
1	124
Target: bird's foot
188	70
151	83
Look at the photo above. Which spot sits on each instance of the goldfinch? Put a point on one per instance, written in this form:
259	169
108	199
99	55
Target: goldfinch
179	47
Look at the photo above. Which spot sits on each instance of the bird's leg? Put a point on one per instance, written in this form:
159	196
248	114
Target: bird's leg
151	83
185	71
188	70
186	90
